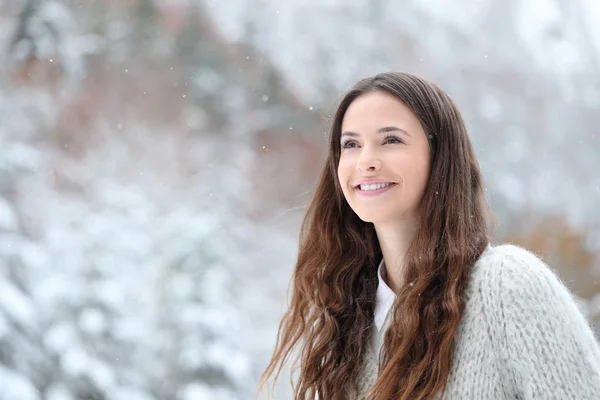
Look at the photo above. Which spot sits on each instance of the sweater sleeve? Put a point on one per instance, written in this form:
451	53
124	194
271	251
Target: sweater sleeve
550	351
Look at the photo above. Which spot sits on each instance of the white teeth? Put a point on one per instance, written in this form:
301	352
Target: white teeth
374	186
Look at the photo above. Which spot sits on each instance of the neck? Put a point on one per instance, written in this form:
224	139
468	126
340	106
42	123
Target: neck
394	239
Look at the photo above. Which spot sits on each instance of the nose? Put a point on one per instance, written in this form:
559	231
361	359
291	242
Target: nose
368	161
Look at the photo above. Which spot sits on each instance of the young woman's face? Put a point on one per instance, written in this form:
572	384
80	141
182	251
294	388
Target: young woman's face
383	142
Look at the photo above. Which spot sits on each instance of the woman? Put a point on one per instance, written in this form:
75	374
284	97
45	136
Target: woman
397	293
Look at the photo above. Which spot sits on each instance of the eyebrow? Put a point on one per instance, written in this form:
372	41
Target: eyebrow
385	129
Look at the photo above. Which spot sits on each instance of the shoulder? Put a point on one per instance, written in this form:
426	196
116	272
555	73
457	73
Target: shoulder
511	279
533	320
507	256
517	284
512	267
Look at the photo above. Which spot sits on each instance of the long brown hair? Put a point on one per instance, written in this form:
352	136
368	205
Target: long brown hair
335	278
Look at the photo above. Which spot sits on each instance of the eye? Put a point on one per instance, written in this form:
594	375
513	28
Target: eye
393	139
348	144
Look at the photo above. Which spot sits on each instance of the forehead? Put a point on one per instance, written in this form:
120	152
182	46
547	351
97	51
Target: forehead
372	110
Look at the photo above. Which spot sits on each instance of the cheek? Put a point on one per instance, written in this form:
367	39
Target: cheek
344	170
341	178
417	177
422	177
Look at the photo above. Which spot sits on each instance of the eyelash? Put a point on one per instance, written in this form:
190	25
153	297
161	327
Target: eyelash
345	144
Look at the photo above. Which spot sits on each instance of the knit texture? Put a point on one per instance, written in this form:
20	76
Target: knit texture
521	336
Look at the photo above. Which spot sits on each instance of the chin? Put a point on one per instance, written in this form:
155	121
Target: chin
382	217
371	217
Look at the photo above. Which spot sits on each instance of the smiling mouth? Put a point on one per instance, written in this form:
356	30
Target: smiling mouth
374	186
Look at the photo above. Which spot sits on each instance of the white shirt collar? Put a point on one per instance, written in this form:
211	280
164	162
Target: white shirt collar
385	297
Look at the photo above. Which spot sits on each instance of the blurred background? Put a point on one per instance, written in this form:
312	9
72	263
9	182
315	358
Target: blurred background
156	157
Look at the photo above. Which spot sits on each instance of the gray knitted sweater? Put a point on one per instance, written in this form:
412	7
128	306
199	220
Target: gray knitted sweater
521	336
